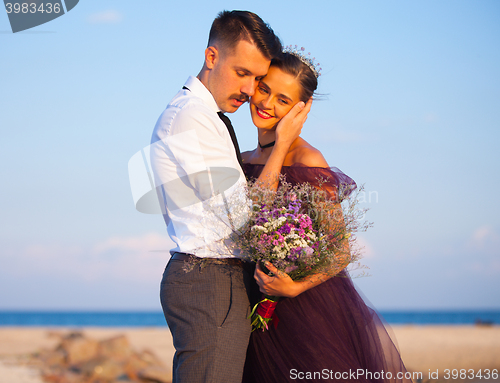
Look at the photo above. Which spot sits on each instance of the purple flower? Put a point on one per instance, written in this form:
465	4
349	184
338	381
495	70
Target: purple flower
294	206
280	263
285	229
260	221
294	253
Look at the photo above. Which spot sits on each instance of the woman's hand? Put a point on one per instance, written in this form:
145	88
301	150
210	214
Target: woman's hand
287	131
290	126
278	285
281	285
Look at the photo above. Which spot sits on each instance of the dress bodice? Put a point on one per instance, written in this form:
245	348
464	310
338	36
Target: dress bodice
329	178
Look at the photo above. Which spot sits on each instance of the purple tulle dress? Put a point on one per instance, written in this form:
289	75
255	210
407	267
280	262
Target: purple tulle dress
327	333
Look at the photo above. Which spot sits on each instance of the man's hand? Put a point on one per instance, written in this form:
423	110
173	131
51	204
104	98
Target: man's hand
278	285
290	126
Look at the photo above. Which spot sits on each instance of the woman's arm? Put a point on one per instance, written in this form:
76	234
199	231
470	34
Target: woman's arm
287	131
280	284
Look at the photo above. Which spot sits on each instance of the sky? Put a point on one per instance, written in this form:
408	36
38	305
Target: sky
409	107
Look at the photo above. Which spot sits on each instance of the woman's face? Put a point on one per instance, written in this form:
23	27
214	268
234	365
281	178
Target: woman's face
274	97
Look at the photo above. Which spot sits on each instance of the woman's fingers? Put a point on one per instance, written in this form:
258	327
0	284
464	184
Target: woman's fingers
271	267
280	284
262	277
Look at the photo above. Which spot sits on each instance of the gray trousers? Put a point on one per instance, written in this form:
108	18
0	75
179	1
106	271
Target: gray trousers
207	312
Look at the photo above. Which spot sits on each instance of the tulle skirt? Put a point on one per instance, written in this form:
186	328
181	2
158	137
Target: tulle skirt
327	333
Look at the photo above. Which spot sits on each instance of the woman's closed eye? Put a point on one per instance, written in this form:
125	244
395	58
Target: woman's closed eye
283	101
262	90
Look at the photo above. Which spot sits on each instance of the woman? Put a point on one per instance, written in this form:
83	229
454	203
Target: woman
325	332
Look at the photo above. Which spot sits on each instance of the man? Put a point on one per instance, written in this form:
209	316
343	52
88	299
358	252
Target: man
195	158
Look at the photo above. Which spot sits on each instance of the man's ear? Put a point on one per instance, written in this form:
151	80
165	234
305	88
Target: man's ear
211	57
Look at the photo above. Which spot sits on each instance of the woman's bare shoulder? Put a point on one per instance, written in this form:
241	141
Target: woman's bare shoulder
246	156
306	154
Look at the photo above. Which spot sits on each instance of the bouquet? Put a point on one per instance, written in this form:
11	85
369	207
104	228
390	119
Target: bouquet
301	230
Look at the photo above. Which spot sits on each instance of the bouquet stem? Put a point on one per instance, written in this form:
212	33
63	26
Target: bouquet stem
263	313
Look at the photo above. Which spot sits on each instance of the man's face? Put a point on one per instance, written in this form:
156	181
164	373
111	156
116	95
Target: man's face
235	75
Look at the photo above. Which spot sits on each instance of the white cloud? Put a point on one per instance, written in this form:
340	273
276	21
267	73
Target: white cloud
105	17
367	250
129	259
485	268
483	251
483	233
485	238
151	241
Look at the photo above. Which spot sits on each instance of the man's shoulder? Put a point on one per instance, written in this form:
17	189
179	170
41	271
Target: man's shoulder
190	101
185	111
188	108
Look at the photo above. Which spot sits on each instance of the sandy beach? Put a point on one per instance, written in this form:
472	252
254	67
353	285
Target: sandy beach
429	350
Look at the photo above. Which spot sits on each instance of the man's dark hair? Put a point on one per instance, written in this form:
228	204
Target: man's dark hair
230	27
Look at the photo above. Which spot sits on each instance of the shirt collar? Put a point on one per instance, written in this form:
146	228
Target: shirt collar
199	90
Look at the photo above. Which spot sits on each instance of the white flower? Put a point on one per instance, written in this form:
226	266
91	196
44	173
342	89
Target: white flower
279	252
261	228
311	235
299	242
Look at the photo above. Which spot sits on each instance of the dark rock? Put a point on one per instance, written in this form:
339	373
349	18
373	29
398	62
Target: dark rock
116	348
78	359
79	349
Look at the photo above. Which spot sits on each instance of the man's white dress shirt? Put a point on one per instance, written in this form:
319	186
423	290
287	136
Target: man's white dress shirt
196	173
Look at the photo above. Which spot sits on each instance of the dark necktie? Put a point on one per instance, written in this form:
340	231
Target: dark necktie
230	129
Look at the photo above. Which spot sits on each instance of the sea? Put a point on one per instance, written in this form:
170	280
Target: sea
156	319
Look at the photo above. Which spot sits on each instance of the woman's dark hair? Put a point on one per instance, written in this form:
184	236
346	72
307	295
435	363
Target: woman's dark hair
232	26
291	64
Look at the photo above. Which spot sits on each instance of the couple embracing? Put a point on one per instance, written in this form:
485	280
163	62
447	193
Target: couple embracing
325	327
